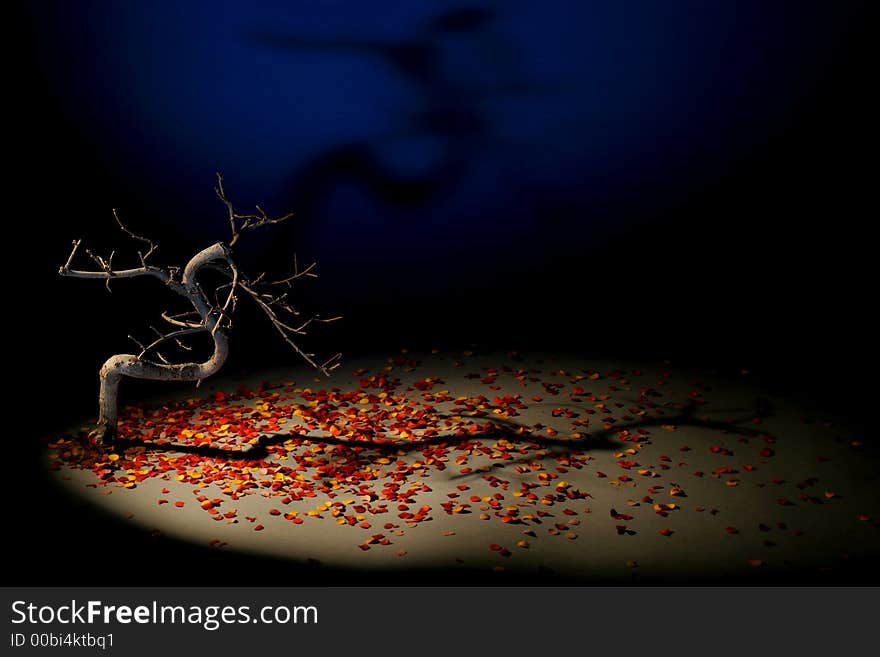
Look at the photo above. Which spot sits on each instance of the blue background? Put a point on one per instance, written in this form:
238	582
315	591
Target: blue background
675	179
516	111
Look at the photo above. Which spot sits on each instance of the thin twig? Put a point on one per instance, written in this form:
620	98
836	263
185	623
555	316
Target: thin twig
148	242
176	335
239	223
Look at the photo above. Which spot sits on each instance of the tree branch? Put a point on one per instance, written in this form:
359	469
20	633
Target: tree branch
175	320
105	271
175	335
285	330
124	228
239	223
307	272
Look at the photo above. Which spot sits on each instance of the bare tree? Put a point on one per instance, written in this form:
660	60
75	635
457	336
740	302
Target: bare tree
211	314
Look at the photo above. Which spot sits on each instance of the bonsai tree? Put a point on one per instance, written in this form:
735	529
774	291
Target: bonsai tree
211	313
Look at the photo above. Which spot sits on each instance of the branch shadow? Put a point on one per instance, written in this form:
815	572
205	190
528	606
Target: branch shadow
450	119
605	438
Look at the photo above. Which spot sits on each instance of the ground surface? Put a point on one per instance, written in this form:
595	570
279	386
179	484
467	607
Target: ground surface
543	468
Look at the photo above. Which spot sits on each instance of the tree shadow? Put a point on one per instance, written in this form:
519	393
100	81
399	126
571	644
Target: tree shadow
368	450
448	122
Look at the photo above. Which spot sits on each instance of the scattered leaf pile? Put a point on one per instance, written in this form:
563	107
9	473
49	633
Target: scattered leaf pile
364	455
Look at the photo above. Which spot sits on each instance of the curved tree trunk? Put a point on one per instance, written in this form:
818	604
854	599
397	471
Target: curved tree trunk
121	365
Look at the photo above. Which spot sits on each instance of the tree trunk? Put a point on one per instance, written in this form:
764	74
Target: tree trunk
121	365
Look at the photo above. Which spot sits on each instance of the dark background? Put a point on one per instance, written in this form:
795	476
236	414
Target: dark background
687	181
